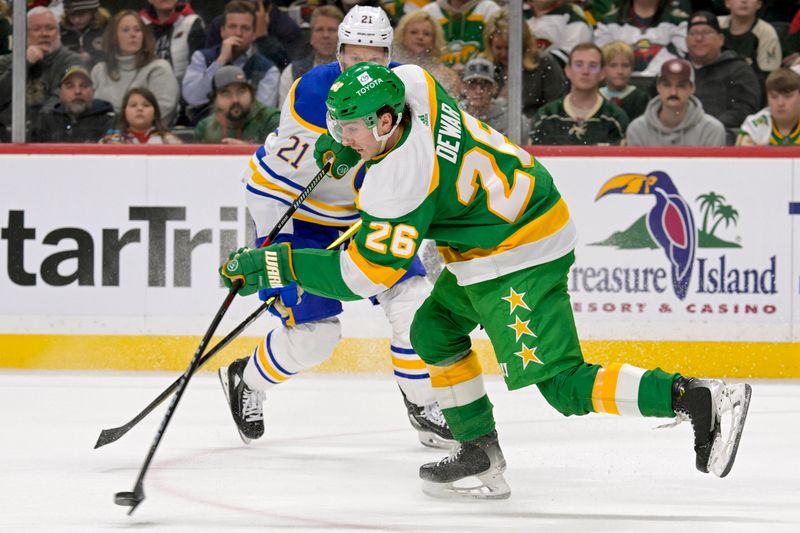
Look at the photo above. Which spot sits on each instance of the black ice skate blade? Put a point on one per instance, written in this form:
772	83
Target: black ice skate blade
129	499
748	391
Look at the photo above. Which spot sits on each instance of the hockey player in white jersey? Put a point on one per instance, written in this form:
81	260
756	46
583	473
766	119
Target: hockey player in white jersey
279	171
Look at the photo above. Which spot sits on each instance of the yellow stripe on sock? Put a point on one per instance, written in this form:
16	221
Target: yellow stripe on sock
262	358
405	364
463	370
604	391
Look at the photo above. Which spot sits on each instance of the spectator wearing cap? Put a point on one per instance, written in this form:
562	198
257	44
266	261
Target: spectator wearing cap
779	123
237	118
82	26
675	117
582	117
480	91
46	60
655	30
178	31
78	117
324	37
755	39
238	33
724	82
542	77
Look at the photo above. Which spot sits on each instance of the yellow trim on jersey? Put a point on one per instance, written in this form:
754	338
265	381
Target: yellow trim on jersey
459	372
377	274
405	364
300	120
433	109
604	391
261	181
475	18
540	228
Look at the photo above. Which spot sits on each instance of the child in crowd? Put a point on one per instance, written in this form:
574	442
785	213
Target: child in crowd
618	56
779	123
755	39
140	122
82	27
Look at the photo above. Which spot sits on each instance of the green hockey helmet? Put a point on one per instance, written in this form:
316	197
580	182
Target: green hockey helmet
359	93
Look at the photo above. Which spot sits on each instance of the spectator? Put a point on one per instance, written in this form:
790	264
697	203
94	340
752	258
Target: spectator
462	22
238	33
419	40
725	83
82	27
750	36
618	57
46	60
78	117
238	117
5	29
779	123
324	37
131	62
278	37
558	25
675	117
140	121
480	91
583	116
655	31
177	30
542	78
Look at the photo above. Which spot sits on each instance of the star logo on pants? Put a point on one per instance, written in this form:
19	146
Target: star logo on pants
514	298
521	328
528	355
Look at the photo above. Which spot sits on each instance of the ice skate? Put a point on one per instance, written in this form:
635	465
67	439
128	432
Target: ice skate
245	403
717	412
430	424
472	471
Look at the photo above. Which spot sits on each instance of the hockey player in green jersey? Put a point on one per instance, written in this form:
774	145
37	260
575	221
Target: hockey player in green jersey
507	237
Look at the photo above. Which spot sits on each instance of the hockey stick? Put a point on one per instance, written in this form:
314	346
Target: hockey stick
134	498
107	436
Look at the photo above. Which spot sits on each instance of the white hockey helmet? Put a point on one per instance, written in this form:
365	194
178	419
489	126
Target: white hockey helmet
366	26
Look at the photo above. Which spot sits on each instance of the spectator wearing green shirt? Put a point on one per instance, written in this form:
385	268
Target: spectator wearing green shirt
238	118
582	117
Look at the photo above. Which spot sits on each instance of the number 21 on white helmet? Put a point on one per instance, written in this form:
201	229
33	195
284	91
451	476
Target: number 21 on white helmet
368	32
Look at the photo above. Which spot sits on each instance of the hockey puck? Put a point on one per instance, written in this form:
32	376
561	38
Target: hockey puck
128	499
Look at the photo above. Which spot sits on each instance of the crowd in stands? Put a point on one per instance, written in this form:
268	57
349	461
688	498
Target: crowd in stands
594	72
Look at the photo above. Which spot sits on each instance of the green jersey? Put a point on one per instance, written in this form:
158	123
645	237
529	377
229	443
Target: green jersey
492	208
463	30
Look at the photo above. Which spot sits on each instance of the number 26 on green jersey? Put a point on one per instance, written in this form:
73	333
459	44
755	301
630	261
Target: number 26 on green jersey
402	239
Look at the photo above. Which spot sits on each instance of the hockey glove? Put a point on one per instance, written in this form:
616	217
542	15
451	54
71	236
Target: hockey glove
262	268
342	158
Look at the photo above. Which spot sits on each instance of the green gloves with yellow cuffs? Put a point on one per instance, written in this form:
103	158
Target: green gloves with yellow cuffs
343	157
263	268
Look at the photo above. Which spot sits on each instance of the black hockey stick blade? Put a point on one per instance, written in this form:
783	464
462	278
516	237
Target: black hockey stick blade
107	436
130	499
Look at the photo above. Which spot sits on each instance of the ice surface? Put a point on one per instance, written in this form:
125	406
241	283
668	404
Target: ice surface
339	455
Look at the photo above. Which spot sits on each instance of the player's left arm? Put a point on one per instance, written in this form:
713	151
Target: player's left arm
377	257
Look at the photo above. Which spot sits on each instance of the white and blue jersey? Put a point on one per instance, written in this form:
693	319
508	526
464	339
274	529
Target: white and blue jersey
284	166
